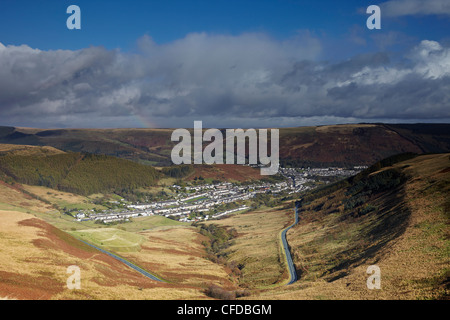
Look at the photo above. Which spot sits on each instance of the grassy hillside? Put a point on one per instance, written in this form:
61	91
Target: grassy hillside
38	245
35	257
395	216
75	172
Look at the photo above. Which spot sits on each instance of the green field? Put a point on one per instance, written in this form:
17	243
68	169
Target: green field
125	236
150	222
111	238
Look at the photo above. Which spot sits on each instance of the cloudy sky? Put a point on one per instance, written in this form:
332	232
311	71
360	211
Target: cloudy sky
228	63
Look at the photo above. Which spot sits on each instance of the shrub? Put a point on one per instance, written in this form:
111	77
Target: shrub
214	291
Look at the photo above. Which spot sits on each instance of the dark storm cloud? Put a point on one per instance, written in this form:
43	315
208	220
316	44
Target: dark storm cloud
248	79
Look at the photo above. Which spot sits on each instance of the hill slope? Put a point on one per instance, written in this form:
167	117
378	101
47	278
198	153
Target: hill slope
394	216
361	144
75	172
35	257
358	144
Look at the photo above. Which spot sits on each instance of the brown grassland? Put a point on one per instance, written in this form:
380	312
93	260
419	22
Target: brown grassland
406	235
61	199
257	248
34	256
178	256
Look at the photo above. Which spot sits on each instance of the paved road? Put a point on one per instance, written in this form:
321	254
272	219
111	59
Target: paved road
290	263
140	270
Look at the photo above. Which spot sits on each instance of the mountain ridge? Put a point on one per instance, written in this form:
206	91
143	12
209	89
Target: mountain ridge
318	146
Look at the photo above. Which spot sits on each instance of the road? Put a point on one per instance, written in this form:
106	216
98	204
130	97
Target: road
290	263
140	270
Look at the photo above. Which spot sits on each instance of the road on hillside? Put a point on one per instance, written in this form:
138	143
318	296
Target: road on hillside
140	270
290	263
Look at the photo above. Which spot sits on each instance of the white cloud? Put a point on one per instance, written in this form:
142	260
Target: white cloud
433	61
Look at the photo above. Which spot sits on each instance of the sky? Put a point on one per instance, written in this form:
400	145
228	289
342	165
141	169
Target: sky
231	64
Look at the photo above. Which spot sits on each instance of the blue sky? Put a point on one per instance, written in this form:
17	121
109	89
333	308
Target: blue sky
268	62
118	24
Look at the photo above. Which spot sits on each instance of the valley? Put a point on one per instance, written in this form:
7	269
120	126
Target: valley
209	236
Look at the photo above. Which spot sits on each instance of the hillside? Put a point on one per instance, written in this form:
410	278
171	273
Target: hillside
39	243
74	172
361	144
35	256
394	215
336	145
225	172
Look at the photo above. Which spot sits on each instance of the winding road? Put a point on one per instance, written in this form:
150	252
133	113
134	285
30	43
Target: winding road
290	263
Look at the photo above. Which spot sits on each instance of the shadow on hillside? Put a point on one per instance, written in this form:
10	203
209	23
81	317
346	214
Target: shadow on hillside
390	223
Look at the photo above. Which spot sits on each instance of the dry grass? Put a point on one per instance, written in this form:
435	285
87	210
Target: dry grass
11	197
414	265
34	258
62	199
258	246
178	255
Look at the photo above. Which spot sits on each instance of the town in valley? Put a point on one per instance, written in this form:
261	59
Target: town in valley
206	201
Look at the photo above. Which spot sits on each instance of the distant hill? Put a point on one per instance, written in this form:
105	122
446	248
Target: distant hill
79	173
364	144
147	146
336	145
